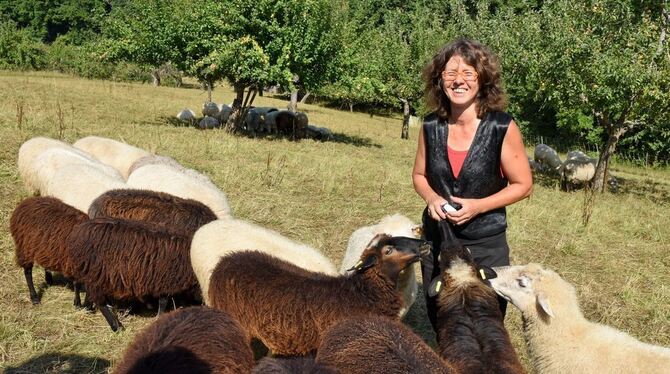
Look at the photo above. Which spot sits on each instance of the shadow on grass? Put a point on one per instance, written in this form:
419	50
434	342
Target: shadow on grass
656	191
357	141
417	319
60	363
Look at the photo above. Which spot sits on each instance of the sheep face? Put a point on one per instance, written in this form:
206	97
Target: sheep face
392	254
531	288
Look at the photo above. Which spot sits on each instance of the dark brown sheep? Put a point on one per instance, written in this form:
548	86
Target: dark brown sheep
192	340
124	260
291	365
376	344
471	334
151	206
288	308
40	227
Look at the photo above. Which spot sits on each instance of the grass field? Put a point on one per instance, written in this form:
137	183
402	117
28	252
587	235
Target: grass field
317	193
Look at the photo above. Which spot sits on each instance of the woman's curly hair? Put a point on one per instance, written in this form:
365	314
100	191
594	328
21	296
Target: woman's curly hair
491	96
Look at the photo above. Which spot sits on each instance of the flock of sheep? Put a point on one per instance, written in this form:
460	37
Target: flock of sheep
258	121
130	226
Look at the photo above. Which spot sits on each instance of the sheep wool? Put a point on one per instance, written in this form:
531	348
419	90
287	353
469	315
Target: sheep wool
560	339
190	340
164	178
117	154
78	185
28	151
222	237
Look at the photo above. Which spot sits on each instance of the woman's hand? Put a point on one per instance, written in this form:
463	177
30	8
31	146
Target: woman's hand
469	209
435	208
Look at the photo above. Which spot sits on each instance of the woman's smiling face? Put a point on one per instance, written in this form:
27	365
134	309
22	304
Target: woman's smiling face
460	82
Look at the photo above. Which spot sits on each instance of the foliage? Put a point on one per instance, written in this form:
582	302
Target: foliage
18	50
46	20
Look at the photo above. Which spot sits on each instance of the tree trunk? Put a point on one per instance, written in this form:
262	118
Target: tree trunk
237	106
405	119
351	107
304	98
156	77
293	105
209	91
600	176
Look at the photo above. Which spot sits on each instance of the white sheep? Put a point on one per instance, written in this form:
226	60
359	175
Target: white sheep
394	225
219	238
169	161
186	115
560	339
78	185
117	154
28	151
50	161
164	178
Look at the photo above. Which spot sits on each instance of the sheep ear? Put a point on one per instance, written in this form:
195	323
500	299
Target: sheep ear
435	286
486	272
364	264
543	302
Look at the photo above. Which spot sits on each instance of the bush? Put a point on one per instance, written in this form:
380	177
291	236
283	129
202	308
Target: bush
18	50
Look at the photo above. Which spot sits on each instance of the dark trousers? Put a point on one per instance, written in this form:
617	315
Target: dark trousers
491	251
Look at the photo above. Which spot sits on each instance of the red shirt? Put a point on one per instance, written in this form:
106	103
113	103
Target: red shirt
456	159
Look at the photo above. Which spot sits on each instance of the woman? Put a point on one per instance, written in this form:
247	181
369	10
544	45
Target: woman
469	152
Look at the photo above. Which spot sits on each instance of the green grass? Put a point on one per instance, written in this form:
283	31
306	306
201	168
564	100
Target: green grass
317	193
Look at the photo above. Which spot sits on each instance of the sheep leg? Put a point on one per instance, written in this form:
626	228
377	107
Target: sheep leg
113	322
162	304
77	299
48	277
28	272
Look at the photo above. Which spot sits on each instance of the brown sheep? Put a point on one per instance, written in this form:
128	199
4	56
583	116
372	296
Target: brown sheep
471	334
131	260
40	227
376	344
190	340
158	207
291	365
288	308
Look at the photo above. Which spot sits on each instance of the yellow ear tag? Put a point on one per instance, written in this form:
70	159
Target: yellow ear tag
481	273
358	264
438	286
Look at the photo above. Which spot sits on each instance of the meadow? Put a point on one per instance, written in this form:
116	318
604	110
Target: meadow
318	193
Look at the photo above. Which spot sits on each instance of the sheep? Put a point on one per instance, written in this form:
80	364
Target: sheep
79	185
209	123
376	344
52	160
210	109
577	170
190	340
291	365
111	152
157	207
559	338
546	155
168	161
186	115
131	260
164	178
470	329
219	238
40	227
224	113
394	225
288	308
28	151
319	133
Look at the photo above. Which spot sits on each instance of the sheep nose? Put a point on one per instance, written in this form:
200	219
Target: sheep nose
425	249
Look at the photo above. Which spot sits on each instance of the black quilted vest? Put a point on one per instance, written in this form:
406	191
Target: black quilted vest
480	175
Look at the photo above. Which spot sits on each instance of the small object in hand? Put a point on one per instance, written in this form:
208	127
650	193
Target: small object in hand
447	208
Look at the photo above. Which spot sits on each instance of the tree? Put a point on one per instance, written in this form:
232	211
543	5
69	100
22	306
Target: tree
601	66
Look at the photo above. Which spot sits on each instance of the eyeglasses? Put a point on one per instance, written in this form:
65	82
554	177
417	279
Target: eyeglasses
468	76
